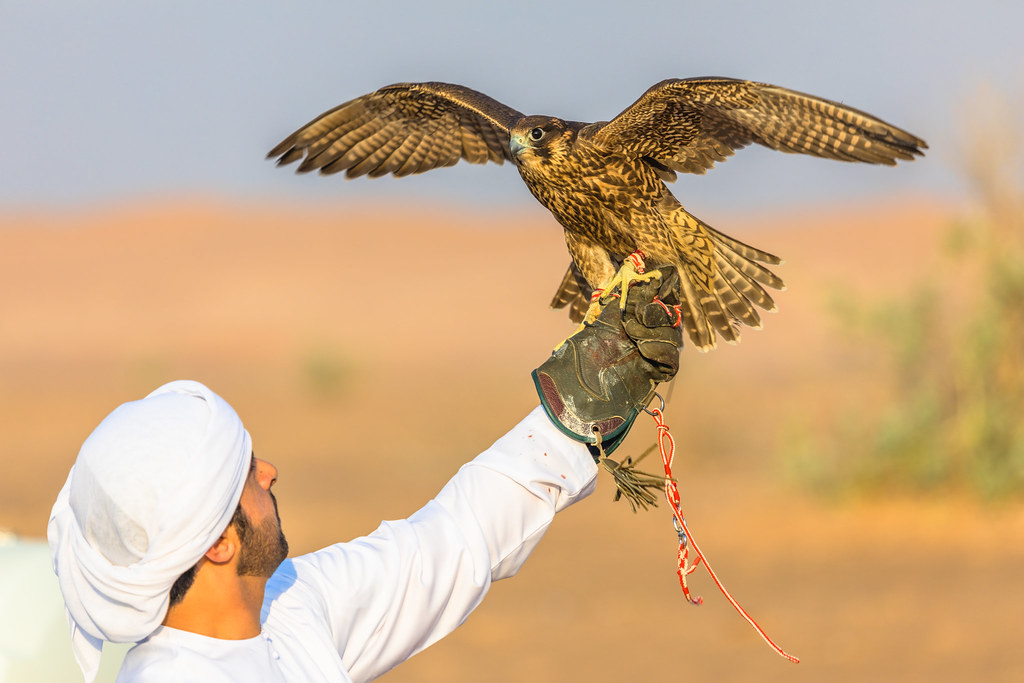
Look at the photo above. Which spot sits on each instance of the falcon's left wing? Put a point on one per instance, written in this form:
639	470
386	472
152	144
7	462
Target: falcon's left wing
403	129
689	124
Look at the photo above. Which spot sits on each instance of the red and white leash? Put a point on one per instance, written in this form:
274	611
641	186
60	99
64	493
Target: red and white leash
686	538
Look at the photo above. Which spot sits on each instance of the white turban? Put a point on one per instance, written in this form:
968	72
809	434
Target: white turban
153	488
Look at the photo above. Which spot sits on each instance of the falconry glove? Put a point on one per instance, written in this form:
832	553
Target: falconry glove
596	383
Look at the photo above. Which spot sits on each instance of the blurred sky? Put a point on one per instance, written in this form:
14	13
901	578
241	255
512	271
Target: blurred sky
123	99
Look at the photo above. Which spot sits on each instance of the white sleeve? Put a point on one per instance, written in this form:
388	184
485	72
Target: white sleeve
388	595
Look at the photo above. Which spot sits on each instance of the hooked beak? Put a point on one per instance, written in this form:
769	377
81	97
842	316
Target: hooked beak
517	144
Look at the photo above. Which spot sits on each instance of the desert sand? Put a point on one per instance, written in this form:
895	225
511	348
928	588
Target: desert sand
371	350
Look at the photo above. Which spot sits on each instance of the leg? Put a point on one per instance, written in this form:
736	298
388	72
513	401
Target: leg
632	271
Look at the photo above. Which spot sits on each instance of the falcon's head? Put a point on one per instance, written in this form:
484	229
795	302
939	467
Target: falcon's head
539	139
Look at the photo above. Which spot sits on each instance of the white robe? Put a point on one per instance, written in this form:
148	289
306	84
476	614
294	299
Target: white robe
352	611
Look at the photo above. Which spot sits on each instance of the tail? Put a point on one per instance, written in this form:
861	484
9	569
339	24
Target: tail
574	292
724	281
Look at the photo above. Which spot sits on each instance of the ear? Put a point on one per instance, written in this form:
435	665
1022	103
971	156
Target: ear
225	548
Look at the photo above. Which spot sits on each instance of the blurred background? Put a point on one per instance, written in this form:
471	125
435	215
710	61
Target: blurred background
853	471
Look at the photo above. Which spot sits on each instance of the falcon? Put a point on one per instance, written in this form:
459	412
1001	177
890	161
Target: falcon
605	182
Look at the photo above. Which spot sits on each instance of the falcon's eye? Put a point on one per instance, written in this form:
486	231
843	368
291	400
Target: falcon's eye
536	134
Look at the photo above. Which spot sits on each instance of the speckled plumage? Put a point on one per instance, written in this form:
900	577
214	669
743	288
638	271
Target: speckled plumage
605	182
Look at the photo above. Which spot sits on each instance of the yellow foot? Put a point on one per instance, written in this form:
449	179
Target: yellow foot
597	303
631	272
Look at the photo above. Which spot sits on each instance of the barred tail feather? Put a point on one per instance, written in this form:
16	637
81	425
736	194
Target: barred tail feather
695	321
574	292
739	304
724	281
741	248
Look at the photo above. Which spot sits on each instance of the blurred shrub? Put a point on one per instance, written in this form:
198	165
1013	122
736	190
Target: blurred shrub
326	372
957	418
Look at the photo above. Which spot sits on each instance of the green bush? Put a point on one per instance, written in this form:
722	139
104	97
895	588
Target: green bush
957	418
326	372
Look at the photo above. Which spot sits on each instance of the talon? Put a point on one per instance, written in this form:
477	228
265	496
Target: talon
597	304
633	271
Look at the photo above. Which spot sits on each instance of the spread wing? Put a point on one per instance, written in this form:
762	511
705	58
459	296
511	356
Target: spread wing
689	124
403	129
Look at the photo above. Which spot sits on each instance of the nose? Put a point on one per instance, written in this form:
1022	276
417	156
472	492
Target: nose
266	473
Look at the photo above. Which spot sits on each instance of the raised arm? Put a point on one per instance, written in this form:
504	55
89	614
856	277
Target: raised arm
380	599
388	595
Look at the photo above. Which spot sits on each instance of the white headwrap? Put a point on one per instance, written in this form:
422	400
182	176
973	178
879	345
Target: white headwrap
153	488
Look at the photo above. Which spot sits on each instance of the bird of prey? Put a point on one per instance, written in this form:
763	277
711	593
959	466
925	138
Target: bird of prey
605	182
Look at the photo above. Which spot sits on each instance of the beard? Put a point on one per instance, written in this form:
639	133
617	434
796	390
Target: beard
264	547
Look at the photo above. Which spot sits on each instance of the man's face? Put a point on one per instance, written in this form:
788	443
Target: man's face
264	546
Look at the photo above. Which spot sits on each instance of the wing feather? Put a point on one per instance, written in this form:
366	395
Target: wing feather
689	124
377	160
401	129
400	156
413	154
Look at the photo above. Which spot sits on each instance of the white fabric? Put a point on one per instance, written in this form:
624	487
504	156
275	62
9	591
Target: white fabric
352	611
175	656
153	487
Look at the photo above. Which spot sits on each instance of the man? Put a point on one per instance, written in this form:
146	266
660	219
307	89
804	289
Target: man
167	532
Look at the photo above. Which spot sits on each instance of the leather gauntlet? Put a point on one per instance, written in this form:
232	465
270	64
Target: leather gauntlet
596	383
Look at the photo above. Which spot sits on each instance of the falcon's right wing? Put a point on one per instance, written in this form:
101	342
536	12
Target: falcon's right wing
403	129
